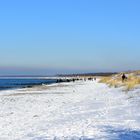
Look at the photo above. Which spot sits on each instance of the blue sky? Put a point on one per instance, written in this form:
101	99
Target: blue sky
67	36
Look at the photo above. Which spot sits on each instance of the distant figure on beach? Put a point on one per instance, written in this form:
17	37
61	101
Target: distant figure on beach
124	77
90	79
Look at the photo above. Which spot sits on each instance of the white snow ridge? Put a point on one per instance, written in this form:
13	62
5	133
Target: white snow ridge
70	111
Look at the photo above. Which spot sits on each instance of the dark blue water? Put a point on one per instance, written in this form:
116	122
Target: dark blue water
14	83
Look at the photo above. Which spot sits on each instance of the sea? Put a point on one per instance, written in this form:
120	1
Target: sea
23	82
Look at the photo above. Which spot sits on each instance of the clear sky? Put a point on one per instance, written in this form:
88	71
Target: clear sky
63	36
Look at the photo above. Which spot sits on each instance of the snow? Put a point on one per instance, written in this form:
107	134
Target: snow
70	111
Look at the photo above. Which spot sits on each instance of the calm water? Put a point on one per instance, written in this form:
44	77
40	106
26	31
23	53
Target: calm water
9	83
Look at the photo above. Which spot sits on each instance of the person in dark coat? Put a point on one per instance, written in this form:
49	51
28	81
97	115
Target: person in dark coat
124	77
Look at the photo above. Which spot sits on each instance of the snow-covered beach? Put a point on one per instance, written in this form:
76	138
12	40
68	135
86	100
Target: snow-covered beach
70	111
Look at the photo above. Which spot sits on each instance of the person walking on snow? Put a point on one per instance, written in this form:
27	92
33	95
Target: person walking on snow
123	77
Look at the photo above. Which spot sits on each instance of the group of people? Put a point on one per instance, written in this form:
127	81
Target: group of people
75	79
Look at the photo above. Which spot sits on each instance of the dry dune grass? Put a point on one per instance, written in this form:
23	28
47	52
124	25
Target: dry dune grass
111	81
137	72
131	82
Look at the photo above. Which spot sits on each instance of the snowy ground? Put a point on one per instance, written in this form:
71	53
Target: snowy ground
70	111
